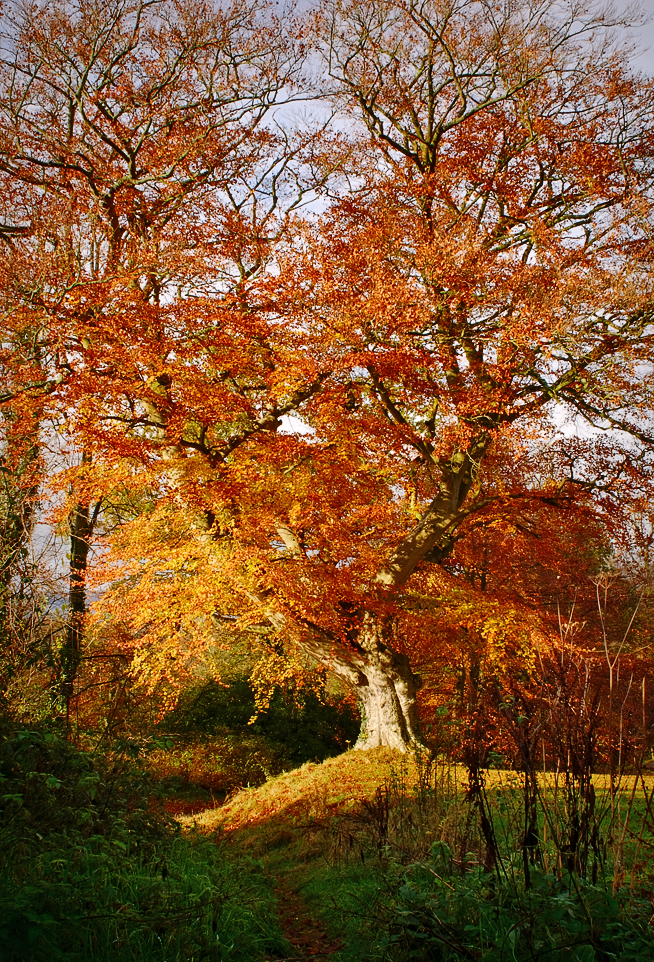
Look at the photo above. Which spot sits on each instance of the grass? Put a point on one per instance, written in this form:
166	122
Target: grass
90	871
290	825
311	791
319	832
356	847
101	902
367	857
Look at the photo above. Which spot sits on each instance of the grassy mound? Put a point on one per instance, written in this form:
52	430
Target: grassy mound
311	791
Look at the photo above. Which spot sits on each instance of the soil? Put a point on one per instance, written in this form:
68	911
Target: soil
307	934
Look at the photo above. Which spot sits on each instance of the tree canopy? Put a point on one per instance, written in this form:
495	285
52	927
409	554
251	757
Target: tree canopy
324	365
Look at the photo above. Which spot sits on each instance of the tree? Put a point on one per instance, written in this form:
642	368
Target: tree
493	263
20	478
138	141
322	411
23	617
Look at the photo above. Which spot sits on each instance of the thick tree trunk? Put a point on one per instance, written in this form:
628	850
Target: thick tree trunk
387	687
386	691
387	698
382	681
380	676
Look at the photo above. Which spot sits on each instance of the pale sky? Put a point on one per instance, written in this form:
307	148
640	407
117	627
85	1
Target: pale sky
643	35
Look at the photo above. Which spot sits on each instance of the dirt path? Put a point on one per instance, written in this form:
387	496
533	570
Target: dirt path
276	824
304	931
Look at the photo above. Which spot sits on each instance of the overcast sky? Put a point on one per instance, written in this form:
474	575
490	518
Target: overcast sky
642	35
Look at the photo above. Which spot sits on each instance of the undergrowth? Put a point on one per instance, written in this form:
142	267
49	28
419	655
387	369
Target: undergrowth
430	912
91	870
460	877
433	861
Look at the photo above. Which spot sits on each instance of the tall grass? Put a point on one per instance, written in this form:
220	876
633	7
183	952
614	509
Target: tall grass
474	865
548	856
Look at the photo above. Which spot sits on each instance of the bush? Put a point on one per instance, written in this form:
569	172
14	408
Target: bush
309	729
48	786
436	916
90	870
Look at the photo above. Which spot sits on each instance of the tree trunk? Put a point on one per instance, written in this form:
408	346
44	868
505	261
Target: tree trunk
380	677
381	680
81	521
387	698
386	691
80	532
387	687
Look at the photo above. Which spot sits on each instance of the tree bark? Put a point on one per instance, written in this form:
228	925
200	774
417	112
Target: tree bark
387	694
81	522
80	531
388	686
380	678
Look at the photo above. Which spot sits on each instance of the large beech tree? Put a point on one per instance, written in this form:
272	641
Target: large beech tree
319	413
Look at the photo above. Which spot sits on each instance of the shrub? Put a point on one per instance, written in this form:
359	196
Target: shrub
306	729
433	915
90	870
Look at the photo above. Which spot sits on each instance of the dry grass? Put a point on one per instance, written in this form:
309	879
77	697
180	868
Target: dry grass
314	790
342	783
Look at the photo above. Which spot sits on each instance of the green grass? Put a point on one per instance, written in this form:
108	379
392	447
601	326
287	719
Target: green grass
388	854
100	901
344	898
367	857
91	871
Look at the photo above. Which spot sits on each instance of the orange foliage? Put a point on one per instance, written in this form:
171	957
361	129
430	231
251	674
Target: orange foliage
309	416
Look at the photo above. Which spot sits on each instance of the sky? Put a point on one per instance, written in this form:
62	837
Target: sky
643	35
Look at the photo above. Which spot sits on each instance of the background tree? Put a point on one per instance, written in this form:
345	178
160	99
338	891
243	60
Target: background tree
20	480
25	643
141	142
